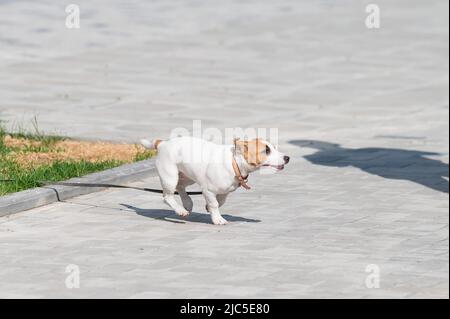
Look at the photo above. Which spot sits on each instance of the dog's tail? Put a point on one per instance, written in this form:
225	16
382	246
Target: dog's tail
151	145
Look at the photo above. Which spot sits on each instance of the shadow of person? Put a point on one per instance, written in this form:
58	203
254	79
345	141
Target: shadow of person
172	217
390	163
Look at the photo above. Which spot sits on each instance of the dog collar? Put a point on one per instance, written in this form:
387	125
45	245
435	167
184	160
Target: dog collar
237	172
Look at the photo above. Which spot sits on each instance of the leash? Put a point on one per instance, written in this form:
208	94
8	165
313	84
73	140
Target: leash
50	183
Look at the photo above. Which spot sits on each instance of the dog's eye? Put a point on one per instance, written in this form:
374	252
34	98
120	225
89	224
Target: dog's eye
268	150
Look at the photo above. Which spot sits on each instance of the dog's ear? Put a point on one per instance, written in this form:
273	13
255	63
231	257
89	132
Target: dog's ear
241	146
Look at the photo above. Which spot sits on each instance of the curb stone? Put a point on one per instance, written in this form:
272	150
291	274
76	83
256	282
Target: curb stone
41	196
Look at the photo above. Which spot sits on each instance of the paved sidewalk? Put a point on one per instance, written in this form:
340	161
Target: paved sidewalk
363	114
309	231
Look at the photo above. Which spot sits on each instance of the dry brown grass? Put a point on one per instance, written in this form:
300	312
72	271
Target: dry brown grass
29	153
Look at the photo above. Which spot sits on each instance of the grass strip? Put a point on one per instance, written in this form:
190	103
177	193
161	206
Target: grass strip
58	171
27	158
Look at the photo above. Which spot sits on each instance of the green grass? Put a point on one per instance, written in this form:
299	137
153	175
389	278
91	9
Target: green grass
3	148
142	156
57	171
26	178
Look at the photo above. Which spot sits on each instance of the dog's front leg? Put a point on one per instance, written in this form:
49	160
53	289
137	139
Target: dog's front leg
212	205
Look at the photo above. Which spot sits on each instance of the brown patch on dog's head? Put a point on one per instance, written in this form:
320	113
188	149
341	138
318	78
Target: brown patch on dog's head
254	151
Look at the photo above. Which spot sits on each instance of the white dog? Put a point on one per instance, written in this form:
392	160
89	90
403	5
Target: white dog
218	169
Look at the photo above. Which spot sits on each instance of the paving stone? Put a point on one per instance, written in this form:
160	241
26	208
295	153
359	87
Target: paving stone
377	100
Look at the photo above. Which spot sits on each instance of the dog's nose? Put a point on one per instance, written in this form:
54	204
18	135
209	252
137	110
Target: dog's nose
286	159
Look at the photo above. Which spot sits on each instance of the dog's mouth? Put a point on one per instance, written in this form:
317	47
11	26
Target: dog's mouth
277	167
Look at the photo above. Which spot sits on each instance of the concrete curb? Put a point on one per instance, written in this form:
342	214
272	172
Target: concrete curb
42	196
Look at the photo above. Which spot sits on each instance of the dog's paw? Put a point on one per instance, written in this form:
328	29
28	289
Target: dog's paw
189	207
182	213
219	221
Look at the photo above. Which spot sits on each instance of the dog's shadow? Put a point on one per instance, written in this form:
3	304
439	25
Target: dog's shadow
172	217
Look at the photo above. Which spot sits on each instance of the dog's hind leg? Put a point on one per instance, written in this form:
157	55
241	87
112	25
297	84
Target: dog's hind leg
188	204
183	182
169	181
